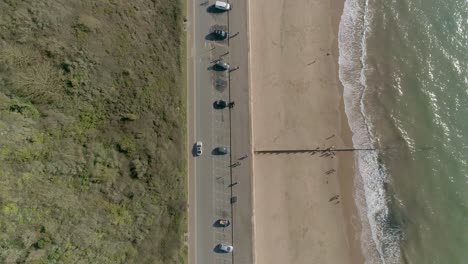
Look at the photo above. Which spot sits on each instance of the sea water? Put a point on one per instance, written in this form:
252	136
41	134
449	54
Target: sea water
404	68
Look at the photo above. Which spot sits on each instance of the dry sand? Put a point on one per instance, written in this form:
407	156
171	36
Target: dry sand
296	102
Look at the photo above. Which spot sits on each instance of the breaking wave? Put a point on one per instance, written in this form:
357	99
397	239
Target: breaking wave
379	243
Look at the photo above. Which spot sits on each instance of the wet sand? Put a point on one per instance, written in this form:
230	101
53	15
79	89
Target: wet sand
301	213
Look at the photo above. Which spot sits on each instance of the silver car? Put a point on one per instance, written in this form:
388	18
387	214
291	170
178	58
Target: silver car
225	248
223	6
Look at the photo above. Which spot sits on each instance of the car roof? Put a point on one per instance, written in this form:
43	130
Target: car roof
220	3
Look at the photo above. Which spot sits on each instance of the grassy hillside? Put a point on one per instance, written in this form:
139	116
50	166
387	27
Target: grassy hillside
92	120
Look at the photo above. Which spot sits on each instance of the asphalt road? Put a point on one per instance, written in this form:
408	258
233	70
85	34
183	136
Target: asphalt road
211	176
211	126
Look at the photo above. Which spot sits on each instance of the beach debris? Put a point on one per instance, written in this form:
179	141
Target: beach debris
328	172
330	137
308	64
334	198
337	202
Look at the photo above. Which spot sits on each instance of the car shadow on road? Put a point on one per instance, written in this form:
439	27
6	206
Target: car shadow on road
220	84
194	150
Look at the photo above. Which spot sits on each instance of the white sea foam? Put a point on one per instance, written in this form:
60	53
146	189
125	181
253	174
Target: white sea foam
378	242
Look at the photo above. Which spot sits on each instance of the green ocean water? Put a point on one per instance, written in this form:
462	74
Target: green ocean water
404	68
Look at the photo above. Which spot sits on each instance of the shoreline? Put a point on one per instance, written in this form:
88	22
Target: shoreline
347	163
335	228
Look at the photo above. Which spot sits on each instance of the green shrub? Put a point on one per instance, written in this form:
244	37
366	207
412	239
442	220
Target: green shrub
42	242
91	153
126	144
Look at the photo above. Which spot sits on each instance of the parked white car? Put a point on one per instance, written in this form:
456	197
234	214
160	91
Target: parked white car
225	248
199	148
222	6
220	34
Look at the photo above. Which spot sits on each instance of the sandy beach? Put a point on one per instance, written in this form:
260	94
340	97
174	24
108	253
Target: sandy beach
301	213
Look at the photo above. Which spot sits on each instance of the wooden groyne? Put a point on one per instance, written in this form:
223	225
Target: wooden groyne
312	151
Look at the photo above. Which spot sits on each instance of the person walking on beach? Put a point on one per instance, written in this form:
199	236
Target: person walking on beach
243	157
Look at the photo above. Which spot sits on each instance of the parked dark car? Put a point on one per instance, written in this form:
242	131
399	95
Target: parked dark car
220	104
221	66
222	150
